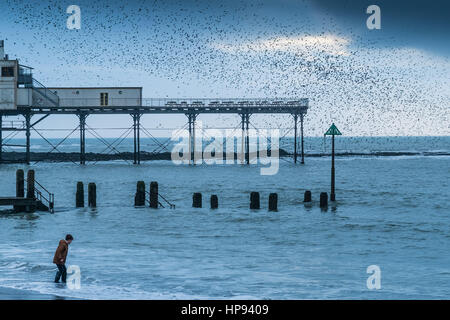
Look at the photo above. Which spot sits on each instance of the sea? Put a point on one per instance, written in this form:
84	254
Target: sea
391	215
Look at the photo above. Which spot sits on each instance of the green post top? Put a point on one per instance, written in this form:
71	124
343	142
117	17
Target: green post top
333	131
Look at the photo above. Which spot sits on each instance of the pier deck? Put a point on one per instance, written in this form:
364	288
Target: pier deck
136	108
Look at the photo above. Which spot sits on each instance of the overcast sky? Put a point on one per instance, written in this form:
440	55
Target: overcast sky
393	81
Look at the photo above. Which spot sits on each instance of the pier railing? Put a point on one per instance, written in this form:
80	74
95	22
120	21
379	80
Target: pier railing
183	102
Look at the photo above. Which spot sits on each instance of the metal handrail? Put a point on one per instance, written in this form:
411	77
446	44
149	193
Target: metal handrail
47	93
39	196
172	206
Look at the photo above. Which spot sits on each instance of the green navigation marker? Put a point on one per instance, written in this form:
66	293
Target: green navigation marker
333	131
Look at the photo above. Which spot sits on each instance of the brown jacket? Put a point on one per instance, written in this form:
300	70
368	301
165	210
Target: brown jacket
61	252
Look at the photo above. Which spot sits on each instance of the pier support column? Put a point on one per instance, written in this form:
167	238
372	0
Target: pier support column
194	118
134	141
247	140
245	147
28	136
137	138
82	118
243	138
301	132
190	137
295	137
1	138
191	120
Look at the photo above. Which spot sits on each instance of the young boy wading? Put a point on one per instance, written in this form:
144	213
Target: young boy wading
60	258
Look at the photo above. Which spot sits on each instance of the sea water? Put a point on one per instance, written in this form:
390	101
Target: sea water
392	212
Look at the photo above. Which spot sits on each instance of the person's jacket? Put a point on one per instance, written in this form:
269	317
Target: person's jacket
61	252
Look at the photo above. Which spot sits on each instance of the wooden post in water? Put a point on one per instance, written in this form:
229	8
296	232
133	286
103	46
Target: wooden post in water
154	195
20	189
30	184
254	200
323	200
197	200
307	196
79	202
92	195
20	184
30	190
139	198
214	201
273	202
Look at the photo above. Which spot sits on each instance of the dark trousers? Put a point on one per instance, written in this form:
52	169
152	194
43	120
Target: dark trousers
61	273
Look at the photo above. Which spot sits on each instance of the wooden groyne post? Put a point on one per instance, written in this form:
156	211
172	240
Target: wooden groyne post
20	189
154	195
254	200
92	195
323	200
30	184
214	201
139	198
307	196
20	184
197	200
79	202
273	202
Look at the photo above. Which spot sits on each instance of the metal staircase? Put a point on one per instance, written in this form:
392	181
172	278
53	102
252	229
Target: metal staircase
45	200
42	96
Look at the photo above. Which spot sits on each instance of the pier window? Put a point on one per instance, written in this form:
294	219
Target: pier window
7	71
104	99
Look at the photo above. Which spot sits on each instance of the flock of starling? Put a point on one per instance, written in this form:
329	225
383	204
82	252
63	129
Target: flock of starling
239	49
